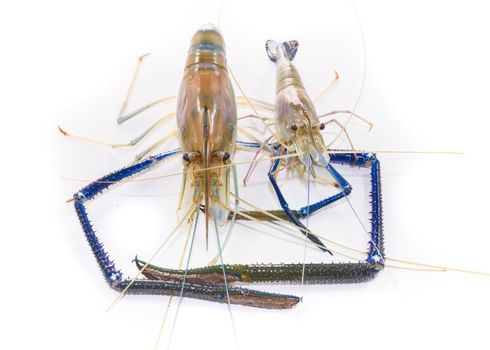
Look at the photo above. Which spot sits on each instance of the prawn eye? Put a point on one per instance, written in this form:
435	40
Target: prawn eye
294	127
186	157
322	126
226	156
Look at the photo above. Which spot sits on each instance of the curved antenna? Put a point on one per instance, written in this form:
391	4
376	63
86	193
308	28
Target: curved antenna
326	87
220	13
215	260
363	79
205	132
305	246
364	53
225	280
170	298
139	110
183	280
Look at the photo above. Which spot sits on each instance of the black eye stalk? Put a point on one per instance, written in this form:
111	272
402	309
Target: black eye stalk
294	127
322	126
226	156
189	156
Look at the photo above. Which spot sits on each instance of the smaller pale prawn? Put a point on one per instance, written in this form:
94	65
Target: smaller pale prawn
298	133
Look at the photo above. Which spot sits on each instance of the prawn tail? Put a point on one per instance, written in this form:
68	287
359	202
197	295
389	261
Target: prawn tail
288	48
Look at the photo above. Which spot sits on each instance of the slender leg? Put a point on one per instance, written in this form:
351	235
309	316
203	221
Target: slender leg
343	130
154	146
244	131
329	84
131	143
253	116
134	113
266	106
245	145
252	165
245	148
131	84
349	113
154	126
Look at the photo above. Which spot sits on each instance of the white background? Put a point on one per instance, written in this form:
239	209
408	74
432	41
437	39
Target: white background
426	89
